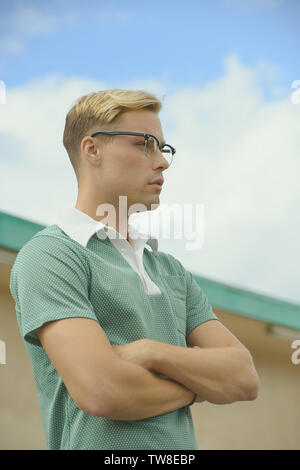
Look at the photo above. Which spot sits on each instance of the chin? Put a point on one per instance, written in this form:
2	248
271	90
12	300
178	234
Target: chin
145	202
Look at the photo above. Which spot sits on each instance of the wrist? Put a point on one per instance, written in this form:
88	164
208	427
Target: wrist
157	354
151	355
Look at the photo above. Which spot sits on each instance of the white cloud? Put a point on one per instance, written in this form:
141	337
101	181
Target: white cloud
11	45
236	153
29	21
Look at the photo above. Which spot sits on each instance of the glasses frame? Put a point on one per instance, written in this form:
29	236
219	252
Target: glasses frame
146	136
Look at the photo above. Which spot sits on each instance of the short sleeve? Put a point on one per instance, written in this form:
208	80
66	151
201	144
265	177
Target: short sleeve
49	281
198	309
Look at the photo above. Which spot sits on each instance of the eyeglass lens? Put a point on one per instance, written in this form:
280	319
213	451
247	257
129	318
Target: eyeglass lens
151	147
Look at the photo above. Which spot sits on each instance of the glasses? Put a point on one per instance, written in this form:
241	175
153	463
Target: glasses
151	143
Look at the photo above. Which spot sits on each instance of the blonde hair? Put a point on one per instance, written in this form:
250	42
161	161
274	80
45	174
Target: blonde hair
100	111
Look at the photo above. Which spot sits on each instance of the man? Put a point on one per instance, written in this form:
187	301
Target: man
121	338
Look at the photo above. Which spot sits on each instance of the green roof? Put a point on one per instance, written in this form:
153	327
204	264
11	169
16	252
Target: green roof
16	231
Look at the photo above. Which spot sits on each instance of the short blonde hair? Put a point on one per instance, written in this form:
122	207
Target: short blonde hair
100	111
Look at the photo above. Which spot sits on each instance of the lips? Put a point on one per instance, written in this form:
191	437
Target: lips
159	181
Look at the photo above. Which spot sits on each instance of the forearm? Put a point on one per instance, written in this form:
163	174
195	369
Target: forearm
218	375
140	394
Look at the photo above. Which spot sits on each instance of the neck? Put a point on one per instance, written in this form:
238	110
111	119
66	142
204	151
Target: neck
111	218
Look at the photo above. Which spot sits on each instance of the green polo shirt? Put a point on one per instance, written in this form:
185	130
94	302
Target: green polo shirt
55	277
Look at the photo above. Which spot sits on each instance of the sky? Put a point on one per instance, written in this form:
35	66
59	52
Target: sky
228	72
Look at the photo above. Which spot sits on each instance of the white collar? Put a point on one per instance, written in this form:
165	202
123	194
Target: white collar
81	227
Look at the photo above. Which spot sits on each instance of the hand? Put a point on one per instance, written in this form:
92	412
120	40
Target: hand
138	352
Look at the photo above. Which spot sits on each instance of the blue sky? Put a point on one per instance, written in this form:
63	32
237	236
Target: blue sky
183	42
226	68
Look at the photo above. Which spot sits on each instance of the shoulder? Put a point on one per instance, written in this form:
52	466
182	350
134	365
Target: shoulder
50	237
49	246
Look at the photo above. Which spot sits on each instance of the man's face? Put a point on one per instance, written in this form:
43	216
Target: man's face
124	169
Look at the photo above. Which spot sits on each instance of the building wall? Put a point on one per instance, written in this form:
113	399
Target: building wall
269	422
20	417
272	420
